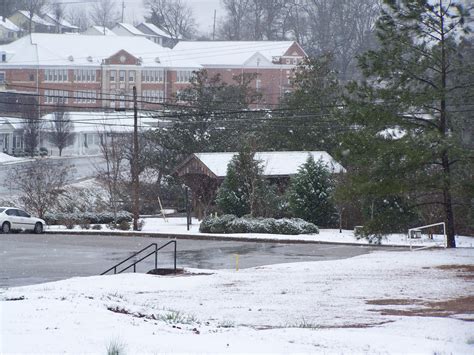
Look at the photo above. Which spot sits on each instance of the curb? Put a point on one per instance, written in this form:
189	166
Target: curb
221	238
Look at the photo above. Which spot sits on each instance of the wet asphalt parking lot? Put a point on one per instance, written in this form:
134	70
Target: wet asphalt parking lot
30	259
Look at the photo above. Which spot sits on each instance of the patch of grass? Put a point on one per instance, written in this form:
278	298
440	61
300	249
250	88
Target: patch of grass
177	317
305	324
226	324
116	347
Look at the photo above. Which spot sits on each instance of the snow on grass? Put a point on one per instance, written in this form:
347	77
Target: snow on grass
302	307
178	226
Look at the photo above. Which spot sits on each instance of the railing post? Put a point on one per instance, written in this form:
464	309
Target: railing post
175	256
134	268
156	256
115	270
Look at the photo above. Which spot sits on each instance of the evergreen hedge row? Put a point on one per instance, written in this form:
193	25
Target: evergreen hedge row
86	217
233	224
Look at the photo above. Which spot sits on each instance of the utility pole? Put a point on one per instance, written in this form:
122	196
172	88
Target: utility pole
214	27
135	179
123	9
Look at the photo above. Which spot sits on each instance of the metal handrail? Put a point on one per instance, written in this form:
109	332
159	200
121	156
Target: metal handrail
134	264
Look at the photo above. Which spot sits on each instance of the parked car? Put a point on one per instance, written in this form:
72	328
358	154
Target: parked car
16	219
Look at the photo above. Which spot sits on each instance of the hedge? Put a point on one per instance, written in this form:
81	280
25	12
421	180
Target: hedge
232	224
87	217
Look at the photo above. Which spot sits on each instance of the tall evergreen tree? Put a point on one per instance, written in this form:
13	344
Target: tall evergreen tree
245	190
310	194
307	120
402	141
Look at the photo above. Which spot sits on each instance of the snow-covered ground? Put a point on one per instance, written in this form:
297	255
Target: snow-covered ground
339	306
178	226
6	159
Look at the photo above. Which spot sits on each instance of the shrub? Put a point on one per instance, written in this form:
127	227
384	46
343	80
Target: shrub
233	224
97	227
124	225
87	217
85	225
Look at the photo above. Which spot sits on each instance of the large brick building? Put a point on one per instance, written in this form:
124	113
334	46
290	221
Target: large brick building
92	71
272	61
83	71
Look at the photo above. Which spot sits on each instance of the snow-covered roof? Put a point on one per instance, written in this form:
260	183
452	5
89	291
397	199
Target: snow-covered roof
5	158
99	30
155	29
274	163
112	121
36	19
133	30
61	21
7	24
48	49
14	122
231	52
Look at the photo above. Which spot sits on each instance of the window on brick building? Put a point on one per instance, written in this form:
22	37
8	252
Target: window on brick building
183	76
113	76
122	76
2	77
131	76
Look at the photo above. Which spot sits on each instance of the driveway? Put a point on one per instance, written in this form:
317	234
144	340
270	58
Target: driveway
29	259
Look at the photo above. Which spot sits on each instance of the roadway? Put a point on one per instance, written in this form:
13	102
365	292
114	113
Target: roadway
30	259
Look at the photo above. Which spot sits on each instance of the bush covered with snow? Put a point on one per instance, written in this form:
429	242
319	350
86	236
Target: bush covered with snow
87	217
233	224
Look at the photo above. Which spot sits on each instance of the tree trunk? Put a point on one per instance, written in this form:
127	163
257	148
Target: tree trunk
447	202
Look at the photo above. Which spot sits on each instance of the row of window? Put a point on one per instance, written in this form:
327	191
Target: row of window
153	76
90	75
85	75
55	75
184	76
153	95
56	96
121	76
82	97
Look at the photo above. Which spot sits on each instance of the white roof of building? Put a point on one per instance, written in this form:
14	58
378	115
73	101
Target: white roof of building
231	52
103	122
36	19
7	24
133	30
100	30
61	21
14	122
274	163
155	29
47	49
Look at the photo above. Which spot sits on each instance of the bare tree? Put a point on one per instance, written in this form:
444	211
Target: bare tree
233	27
173	16
31	123
40	183
113	149
79	17
105	13
8	7
62	129
57	11
33	7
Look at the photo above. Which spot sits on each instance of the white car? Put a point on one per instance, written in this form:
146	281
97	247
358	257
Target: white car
16	219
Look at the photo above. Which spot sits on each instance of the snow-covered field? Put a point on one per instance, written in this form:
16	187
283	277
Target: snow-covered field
178	226
340	306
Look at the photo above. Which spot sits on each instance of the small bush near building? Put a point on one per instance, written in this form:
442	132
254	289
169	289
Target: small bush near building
124	225
97	227
86	217
233	224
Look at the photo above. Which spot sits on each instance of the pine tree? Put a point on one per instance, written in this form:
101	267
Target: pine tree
307	118
402	142
245	190
310	194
